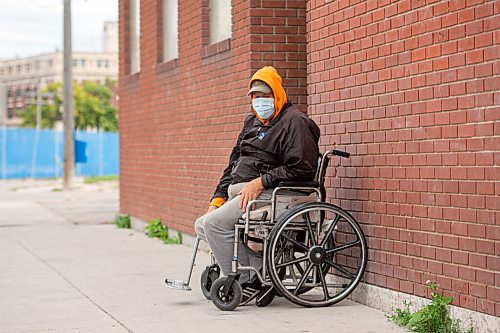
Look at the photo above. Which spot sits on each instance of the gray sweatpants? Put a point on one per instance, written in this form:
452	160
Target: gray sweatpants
217	228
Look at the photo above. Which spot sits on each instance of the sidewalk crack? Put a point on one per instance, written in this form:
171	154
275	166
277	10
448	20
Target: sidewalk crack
50	209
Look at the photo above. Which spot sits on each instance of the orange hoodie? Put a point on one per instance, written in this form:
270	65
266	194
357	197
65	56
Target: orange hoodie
270	76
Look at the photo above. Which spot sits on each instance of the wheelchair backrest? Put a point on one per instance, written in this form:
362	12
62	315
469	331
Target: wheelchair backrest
323	161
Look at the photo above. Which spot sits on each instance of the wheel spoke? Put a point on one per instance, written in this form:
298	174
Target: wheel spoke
299	268
280	252
294	242
291	262
292	273
340	269
303	279
323	283
343	247
329	231
309	227
293	276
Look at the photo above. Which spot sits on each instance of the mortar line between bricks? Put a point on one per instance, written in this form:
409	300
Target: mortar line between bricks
74	286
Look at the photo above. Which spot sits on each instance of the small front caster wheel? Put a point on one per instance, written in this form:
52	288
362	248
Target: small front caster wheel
226	301
209	275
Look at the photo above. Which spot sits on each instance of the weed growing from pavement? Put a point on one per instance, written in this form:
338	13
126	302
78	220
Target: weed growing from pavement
156	229
433	318
122	221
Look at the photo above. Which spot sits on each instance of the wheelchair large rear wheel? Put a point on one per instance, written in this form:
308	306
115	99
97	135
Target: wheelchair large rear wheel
323	250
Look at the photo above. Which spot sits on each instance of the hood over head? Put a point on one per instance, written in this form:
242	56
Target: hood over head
270	76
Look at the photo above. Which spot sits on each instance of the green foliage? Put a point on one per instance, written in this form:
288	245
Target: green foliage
50	112
401	316
98	179
156	229
122	221
433	318
91	109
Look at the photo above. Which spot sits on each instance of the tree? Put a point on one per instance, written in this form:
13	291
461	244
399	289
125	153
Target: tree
50	108
92	107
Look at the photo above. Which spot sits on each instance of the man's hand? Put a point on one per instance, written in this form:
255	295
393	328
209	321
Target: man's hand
250	192
211	209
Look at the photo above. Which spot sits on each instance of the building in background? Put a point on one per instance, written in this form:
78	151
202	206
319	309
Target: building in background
110	37
22	77
409	88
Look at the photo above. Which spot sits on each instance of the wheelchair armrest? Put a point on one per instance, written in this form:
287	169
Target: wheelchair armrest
259	214
299	184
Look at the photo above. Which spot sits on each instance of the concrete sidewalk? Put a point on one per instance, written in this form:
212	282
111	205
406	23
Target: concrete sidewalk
63	270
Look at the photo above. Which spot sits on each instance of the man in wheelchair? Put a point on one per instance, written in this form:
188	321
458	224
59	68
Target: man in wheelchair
277	143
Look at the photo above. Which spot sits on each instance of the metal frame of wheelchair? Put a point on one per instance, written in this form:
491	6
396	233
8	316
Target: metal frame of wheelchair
314	254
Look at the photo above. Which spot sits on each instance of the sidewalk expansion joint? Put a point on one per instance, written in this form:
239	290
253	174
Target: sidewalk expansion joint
55	212
73	286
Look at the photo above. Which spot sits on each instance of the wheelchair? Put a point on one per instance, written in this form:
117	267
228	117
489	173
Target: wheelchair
313	253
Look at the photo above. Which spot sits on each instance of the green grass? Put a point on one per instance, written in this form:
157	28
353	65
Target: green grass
98	179
155	229
122	221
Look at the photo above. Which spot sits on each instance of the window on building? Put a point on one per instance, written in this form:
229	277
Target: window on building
10	69
220	20
106	63
82	62
27	67
51	62
37	64
99	63
135	35
18	68
75	62
170	29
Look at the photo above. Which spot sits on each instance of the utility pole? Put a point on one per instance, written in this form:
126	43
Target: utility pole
69	143
38	126
39	105
3	119
3	103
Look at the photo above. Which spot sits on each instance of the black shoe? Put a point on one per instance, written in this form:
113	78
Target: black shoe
268	293
265	296
250	290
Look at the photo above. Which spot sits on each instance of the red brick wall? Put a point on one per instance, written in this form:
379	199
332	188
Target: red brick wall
411	89
179	119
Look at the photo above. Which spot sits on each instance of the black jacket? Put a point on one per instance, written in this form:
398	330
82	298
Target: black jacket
284	149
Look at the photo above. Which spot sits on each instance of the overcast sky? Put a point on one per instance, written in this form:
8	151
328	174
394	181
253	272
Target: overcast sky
30	27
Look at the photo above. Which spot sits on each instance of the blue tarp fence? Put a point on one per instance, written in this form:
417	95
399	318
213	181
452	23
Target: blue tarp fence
28	153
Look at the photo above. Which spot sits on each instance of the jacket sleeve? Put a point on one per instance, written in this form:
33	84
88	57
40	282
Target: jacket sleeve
225	180
299	156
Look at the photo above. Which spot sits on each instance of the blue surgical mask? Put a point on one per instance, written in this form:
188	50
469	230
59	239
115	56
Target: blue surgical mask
264	107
